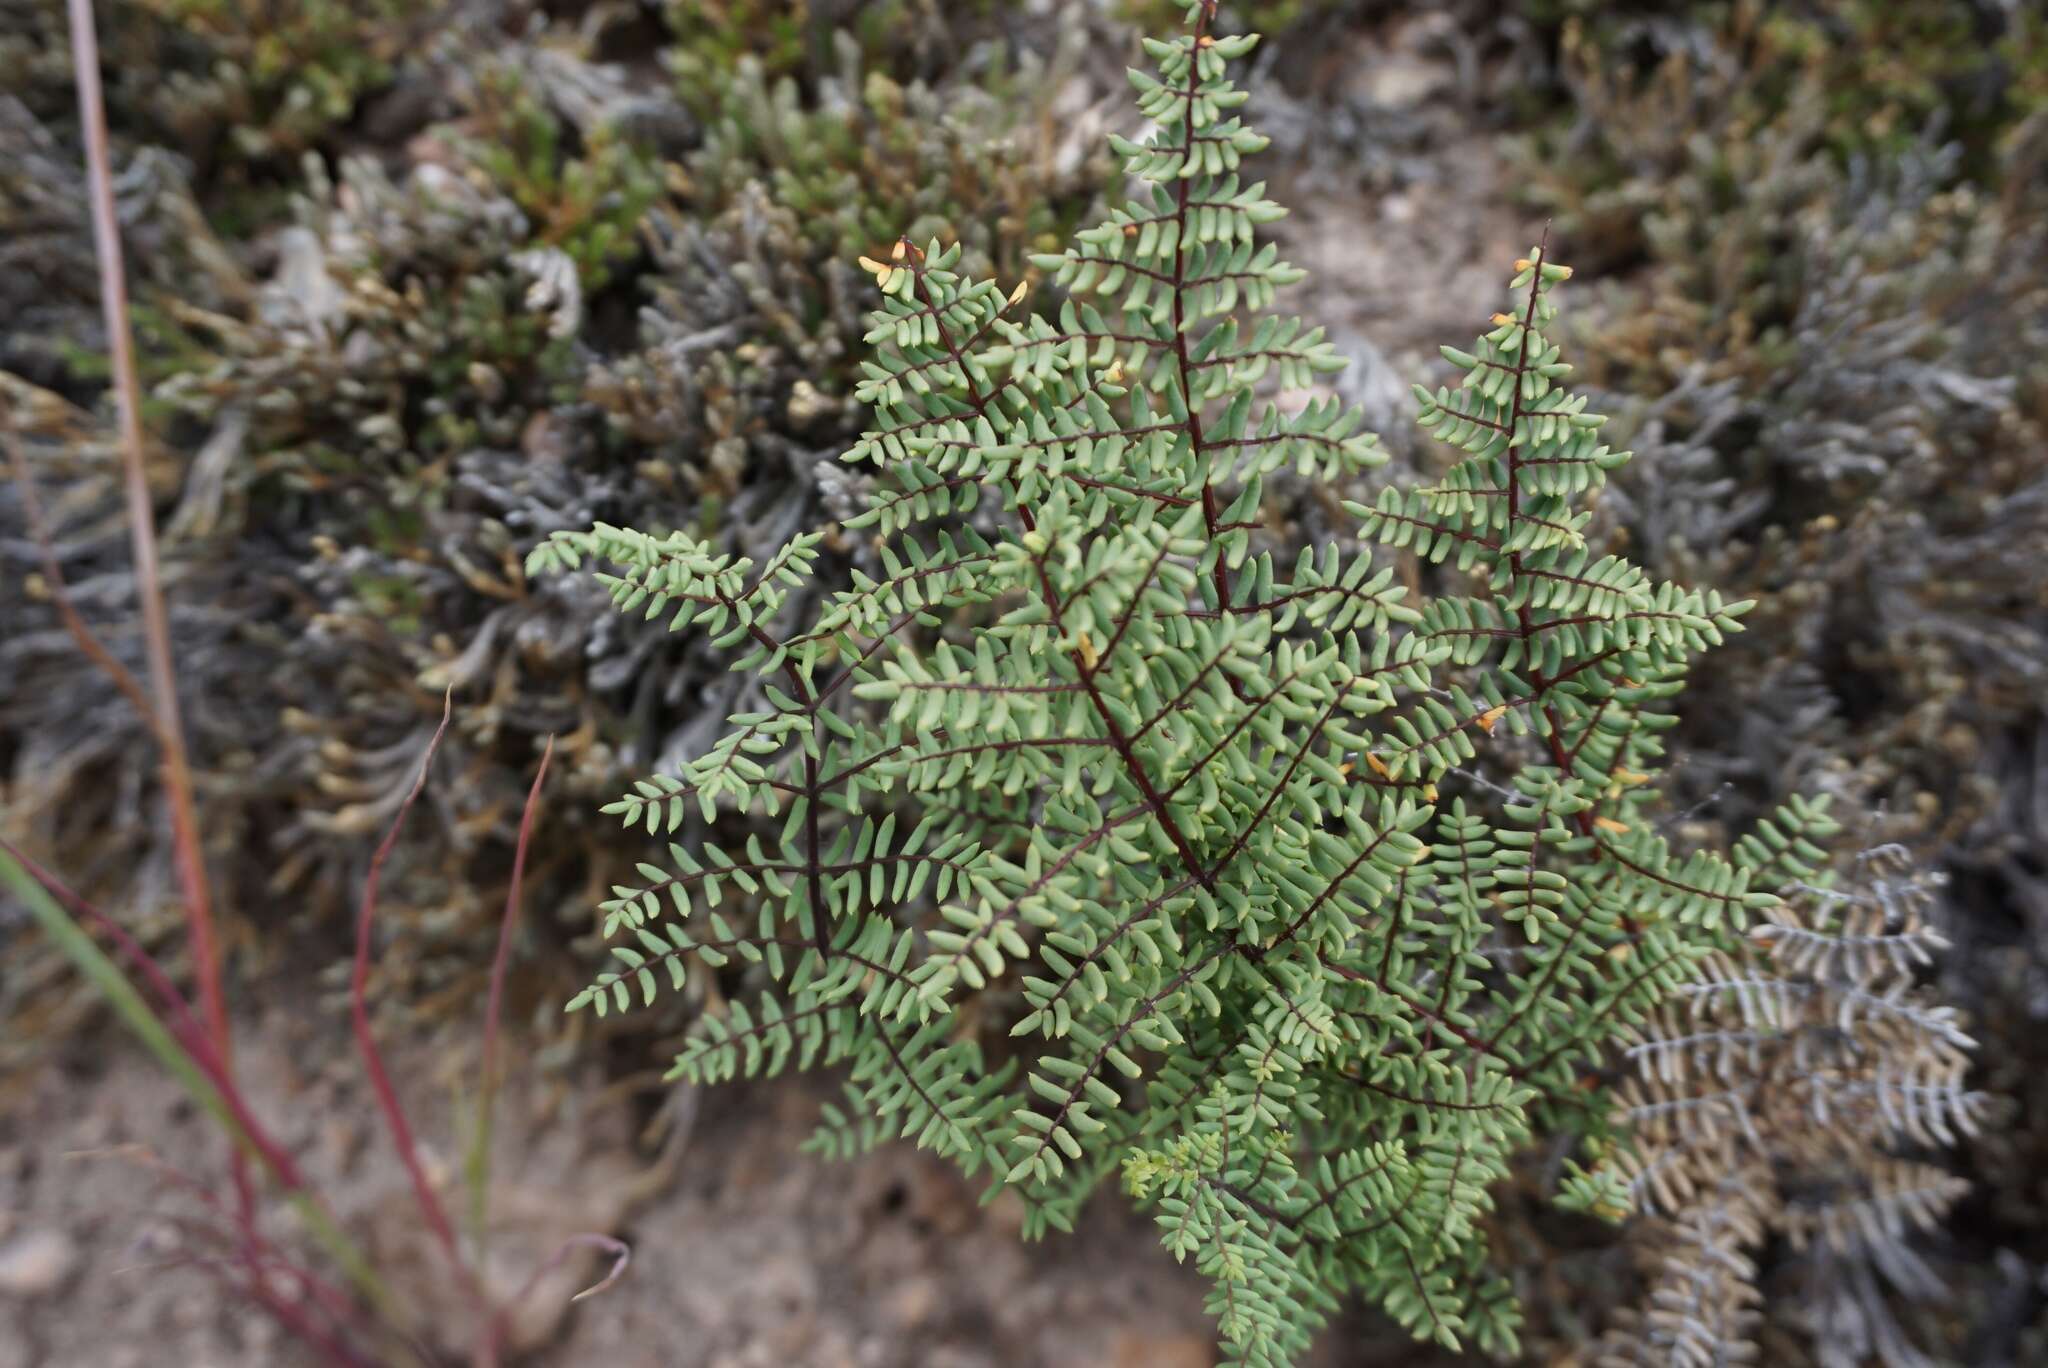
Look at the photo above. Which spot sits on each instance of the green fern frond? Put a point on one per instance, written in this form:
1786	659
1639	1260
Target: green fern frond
1301	904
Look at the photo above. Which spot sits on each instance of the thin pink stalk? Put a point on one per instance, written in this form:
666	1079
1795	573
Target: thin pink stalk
366	1044
191	864
480	1153
248	1275
503	958
321	1293
172	1009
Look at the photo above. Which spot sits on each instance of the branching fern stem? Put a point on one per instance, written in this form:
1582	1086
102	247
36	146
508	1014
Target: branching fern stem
1555	733
1084	668
1211	513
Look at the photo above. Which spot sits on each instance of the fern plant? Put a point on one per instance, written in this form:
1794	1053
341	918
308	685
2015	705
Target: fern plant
1092	834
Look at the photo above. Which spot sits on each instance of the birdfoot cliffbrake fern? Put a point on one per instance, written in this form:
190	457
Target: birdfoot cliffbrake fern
1093	834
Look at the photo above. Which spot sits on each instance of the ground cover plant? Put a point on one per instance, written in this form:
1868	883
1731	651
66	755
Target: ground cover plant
1095	836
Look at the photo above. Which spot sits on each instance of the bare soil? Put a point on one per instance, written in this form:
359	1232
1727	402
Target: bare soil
745	1251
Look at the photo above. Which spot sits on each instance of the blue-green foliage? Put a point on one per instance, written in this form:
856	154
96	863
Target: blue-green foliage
1300	902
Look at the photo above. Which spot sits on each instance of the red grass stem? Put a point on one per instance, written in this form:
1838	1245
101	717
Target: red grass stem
366	1044
142	518
502	959
177	772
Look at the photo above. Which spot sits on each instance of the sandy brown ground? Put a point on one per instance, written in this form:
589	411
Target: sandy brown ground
745	1251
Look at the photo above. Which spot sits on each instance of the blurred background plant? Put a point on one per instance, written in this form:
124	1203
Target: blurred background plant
280	76
1801	1093
575	294
413	285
